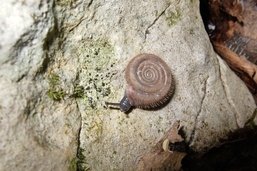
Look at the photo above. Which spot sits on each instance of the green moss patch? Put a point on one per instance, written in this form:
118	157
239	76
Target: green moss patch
56	95
55	91
78	91
81	165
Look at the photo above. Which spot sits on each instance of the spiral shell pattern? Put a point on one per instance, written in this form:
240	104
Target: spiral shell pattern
150	82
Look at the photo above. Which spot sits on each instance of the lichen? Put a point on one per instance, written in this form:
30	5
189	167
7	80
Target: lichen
96	59
87	79
173	17
96	128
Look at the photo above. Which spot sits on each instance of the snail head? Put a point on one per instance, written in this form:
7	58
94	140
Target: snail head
124	104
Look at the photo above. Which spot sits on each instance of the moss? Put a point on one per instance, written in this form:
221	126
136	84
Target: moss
173	17
55	94
78	91
81	164
55	91
78	163
73	164
80	154
53	79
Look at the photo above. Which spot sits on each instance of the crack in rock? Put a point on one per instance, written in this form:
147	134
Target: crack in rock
79	133
154	21
252	118
227	94
90	3
80	127
199	111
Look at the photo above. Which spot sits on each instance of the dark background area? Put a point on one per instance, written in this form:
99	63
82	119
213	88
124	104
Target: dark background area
239	154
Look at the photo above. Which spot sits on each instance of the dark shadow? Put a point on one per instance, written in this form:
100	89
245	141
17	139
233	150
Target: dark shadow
239	153
205	13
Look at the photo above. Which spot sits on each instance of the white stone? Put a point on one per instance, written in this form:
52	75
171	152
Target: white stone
88	44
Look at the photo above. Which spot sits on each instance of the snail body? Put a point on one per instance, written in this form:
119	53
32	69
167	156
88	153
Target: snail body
150	83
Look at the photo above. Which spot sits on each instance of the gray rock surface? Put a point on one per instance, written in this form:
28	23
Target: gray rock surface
61	61
37	133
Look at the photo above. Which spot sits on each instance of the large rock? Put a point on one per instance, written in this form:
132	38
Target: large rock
60	62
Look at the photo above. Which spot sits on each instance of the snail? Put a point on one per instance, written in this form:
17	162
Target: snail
150	83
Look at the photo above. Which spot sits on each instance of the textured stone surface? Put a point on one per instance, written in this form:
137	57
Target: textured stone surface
36	132
61	61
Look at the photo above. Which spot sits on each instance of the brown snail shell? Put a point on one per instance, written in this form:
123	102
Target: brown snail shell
150	83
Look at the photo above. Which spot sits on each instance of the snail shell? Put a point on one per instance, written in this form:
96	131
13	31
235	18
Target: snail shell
149	83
